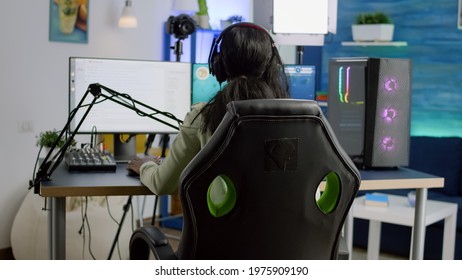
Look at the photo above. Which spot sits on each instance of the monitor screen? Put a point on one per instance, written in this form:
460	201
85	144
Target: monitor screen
164	86
204	85
302	80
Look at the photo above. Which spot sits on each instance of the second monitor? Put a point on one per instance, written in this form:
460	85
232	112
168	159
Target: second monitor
301	82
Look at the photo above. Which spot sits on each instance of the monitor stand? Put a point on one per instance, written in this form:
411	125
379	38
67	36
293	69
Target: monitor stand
124	151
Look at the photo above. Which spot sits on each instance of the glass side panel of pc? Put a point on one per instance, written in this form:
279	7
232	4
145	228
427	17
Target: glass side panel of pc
347	95
165	86
301	82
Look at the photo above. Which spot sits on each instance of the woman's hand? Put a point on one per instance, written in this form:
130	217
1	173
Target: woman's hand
135	164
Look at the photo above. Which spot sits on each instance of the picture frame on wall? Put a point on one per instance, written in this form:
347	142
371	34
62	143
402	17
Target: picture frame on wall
69	21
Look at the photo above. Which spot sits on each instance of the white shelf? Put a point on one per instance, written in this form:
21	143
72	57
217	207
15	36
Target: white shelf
374	44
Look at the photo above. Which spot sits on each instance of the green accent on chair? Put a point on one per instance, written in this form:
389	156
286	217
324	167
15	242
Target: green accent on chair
221	196
330	195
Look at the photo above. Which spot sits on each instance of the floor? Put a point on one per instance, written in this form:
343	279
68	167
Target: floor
358	253
361	254
6	254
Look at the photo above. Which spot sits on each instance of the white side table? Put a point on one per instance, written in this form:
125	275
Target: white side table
399	212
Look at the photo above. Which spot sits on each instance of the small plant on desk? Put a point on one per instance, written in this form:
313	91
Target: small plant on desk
47	138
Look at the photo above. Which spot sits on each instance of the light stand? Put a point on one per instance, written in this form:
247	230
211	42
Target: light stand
181	27
178	49
48	166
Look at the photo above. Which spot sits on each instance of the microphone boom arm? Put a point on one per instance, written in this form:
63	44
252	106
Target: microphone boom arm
48	166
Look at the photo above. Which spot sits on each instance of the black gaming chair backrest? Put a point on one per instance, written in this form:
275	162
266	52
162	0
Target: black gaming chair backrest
271	155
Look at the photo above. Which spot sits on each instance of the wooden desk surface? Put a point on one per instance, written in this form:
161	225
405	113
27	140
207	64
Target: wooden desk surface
64	183
400	178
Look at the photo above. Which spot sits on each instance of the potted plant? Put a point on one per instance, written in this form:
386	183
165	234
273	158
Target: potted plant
203	14
47	138
230	20
235	19
373	27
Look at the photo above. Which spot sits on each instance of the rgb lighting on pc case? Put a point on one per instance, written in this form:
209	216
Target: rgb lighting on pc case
369	109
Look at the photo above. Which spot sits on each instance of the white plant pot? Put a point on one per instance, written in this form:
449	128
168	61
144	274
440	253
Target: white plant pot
204	21
372	32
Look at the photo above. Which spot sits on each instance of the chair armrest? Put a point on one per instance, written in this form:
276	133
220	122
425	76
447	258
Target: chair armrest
150	238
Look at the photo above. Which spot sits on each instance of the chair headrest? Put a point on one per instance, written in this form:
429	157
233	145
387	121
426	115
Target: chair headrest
286	107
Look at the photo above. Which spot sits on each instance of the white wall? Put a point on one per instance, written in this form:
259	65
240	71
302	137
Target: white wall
33	76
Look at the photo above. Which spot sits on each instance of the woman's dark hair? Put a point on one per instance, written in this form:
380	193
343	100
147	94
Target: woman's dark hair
254	70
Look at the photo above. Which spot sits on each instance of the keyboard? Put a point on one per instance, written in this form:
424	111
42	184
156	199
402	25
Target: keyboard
90	160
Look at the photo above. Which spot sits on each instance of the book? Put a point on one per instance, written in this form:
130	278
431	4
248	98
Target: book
376	199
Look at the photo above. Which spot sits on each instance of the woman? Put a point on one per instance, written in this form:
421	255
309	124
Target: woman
250	63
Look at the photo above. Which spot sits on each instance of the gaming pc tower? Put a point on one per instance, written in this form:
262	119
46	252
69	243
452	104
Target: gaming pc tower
369	109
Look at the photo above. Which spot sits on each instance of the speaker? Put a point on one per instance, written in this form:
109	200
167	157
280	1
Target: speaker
369	109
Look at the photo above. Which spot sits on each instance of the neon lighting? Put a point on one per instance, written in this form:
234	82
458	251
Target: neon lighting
347	88
340	83
388	115
387	144
391	84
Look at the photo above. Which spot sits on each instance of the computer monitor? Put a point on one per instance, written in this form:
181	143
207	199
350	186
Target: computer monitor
204	85
162	85
302	80
165	86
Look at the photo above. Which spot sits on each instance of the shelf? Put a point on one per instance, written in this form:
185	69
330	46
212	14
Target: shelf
376	44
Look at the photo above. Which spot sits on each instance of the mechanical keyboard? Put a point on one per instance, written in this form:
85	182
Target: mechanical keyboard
90	160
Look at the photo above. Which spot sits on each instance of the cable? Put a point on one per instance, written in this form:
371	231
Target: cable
82	229
122	140
117	223
94	133
132	104
35	165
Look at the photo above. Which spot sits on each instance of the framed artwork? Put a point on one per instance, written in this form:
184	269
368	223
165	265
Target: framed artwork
69	21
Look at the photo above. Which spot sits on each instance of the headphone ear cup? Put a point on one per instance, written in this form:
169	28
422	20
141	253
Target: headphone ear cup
218	69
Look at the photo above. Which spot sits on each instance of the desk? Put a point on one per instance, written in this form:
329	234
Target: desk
399	212
400	178
65	184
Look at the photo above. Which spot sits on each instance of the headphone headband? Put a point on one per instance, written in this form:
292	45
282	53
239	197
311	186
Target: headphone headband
214	61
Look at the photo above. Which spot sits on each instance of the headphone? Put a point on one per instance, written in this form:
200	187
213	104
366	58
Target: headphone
216	66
